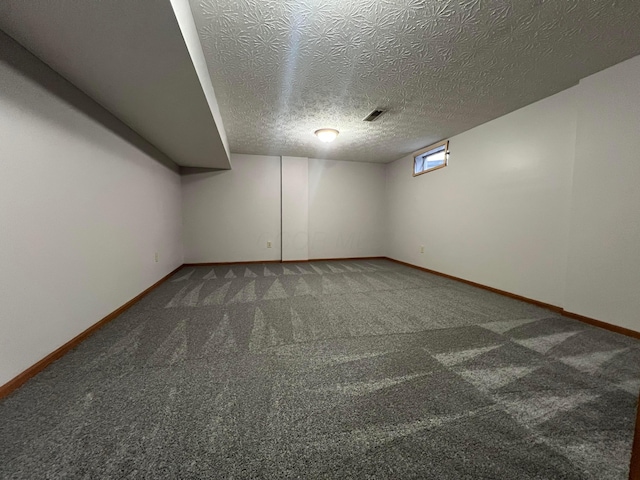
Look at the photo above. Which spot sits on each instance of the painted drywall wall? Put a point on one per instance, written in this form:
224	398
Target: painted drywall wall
84	205
184	16
346	209
603	276
497	214
330	209
230	215
295	208
542	202
132	58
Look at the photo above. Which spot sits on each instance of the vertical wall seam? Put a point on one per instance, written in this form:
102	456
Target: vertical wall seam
281	215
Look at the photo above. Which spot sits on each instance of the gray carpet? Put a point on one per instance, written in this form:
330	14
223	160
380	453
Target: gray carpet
354	369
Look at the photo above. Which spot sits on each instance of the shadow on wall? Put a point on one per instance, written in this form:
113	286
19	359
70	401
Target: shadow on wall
32	68
198	170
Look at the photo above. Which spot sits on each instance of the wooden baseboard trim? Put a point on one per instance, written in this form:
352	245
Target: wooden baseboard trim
554	308
634	467
344	259
30	372
216	264
599	323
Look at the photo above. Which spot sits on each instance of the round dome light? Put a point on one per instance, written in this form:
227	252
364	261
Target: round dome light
327	134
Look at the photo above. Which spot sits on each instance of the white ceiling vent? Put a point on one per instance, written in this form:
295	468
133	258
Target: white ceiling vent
374	115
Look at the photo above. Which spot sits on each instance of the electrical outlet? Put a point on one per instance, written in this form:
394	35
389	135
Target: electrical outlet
268	243
157	257
421	248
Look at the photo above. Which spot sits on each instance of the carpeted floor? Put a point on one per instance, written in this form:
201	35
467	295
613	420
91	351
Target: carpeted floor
354	369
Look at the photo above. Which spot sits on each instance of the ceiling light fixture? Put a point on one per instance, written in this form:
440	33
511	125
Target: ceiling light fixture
327	134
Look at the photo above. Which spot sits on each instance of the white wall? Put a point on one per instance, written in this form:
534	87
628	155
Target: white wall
84	206
603	278
346	209
295	208
497	214
543	202
229	215
184	16
330	209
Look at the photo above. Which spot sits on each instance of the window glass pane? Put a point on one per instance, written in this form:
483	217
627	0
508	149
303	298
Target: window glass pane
435	150
436	159
430	158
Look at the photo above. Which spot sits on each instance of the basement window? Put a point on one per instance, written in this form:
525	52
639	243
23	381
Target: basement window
431	158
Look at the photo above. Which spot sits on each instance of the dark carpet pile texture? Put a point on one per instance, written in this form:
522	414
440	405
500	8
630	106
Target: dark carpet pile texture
337	369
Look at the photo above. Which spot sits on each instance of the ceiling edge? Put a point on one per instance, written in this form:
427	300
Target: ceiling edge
186	23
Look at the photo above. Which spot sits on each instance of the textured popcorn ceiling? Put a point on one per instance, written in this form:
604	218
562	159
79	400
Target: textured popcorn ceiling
284	68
